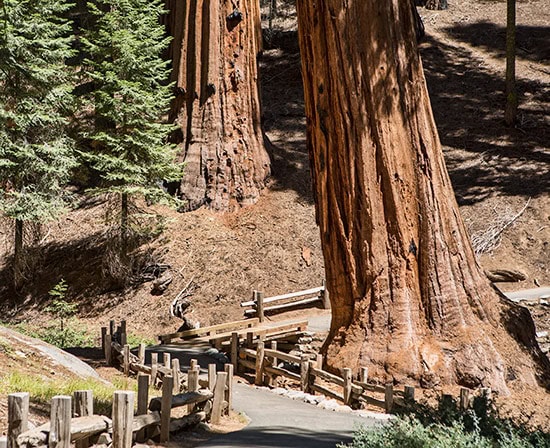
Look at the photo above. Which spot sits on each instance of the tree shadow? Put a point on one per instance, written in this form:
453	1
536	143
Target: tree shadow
532	42
483	156
283	112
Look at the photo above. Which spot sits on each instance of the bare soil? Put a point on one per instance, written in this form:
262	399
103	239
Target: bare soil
500	175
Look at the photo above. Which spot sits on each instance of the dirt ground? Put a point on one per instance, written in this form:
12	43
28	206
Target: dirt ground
500	175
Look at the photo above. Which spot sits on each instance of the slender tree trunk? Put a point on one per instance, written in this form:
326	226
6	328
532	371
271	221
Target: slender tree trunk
124	215
18	256
408	298
217	106
511	92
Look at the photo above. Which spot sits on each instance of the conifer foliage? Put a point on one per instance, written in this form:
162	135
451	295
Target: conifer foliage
36	156
128	145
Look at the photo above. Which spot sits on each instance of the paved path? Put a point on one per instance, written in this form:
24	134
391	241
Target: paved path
281	422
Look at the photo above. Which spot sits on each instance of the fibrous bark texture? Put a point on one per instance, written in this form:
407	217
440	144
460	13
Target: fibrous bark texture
217	105
408	298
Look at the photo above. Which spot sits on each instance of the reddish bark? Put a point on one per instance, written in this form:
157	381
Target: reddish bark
409	300
217	105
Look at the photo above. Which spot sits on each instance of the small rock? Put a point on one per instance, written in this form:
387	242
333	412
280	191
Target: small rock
343	408
104	439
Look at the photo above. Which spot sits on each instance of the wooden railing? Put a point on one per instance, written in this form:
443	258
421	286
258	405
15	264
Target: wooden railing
312	296
152	418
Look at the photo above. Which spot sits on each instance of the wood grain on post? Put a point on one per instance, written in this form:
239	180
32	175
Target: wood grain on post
141	353
167	359
464	399
219	394
259	379
112	329
123	417
304	374
319	361
108	350
388	397
364	374
60	422
348	380
211	376
126	359
176	375
83	407
229	388
259	299
154	368
166	408
235	349
273	378
409	394
18	416
192	385
249	339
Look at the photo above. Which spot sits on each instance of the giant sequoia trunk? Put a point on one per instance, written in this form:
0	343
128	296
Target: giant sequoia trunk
217	105
408	299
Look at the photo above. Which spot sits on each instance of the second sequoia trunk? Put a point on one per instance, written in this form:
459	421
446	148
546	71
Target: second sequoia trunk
217	105
408	298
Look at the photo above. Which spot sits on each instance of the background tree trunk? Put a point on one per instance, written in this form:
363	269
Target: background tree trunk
408	298
18	255
217	105
511	91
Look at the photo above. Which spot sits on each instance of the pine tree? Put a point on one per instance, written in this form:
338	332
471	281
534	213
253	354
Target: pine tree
36	156
128	146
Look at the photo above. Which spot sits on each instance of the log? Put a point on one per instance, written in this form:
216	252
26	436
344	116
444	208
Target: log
18	416
334	379
259	367
229	387
182	399
187	421
176	375
290	295
282	372
259	299
165	408
234	349
284	306
192	386
143	421
83	407
347	374
211	376
282	356
304	374
213	329
327	392
505	275
388	397
81	428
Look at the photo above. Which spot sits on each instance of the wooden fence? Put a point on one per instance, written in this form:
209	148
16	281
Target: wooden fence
269	363
312	296
72	419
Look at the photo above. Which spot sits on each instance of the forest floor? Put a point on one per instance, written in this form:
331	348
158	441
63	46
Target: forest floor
500	175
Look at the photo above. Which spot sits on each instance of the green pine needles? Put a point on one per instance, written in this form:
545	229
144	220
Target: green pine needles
36	156
128	143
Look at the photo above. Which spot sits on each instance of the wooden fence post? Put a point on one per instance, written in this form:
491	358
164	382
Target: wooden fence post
60	422
211	376
348	378
235	349
272	379
319	361
166	408
325	296
142	402
18	416
409	394
364	374
112	329
193	364
141	354
304	373
83	403
259	379
229	389
103	334
126	359
123	336
219	394
192	385
123	416
167	360
154	368
108	349
249	339
176	375
388	398
259	299
464	399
